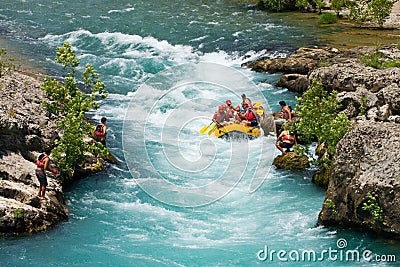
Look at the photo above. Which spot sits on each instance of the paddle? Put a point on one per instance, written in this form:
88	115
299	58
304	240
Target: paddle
212	129
205	128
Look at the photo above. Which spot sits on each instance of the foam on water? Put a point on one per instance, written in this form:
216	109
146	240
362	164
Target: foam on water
113	221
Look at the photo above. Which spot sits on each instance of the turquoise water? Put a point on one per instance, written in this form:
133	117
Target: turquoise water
180	198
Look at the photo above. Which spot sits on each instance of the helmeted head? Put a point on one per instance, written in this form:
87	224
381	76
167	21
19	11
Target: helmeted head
228	102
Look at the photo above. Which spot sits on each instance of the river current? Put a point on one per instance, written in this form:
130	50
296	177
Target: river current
179	198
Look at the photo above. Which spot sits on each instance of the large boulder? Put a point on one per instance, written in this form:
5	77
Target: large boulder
22	211
301	61
365	172
291	161
26	128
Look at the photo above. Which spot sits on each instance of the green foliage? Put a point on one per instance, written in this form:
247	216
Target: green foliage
375	10
72	104
328	18
380	10
7	65
373	60
358	10
338	5
391	64
18	213
301	150
275	5
319	4
320	119
372	206
329	203
363	107
302	4
377	60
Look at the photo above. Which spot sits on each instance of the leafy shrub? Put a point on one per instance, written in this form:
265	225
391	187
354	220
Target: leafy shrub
329	203
380	10
72	104
279	5
320	118
373	208
7	65
328	18
377	60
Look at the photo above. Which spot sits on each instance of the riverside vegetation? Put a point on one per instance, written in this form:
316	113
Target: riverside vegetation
71	104
36	115
375	11
350	104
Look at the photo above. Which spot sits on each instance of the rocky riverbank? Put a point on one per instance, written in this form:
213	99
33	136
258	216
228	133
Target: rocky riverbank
26	128
366	163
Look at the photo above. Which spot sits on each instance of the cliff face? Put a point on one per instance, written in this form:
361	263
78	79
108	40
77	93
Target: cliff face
26	128
366	161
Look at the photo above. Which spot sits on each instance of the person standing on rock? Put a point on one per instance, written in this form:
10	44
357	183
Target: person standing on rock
100	132
42	164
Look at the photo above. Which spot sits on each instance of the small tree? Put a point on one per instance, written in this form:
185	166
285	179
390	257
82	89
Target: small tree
320	118
358	10
380	10
302	4
337	6
72	104
319	4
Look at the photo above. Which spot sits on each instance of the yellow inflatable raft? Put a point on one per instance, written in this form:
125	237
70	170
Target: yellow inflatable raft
238	131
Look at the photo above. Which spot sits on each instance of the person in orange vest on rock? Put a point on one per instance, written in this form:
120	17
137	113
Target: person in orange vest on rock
285	140
100	132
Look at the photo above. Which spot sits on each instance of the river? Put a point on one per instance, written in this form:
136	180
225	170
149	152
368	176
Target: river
179	198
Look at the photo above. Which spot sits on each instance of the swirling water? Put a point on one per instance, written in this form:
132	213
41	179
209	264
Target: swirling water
120	217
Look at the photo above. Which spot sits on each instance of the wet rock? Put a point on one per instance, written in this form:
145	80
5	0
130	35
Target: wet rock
26	128
366	162
291	161
294	82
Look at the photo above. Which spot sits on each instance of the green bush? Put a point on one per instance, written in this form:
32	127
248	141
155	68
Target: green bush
72	104
377	60
279	5
380	10
328	18
7	65
320	118
373	207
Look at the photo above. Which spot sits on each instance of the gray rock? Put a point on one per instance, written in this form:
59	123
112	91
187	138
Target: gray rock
294	82
366	161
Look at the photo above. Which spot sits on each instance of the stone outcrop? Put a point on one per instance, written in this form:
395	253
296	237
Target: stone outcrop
366	161
26	128
296	67
291	161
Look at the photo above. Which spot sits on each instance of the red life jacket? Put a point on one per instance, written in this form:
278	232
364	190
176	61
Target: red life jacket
99	130
288	138
40	162
250	116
